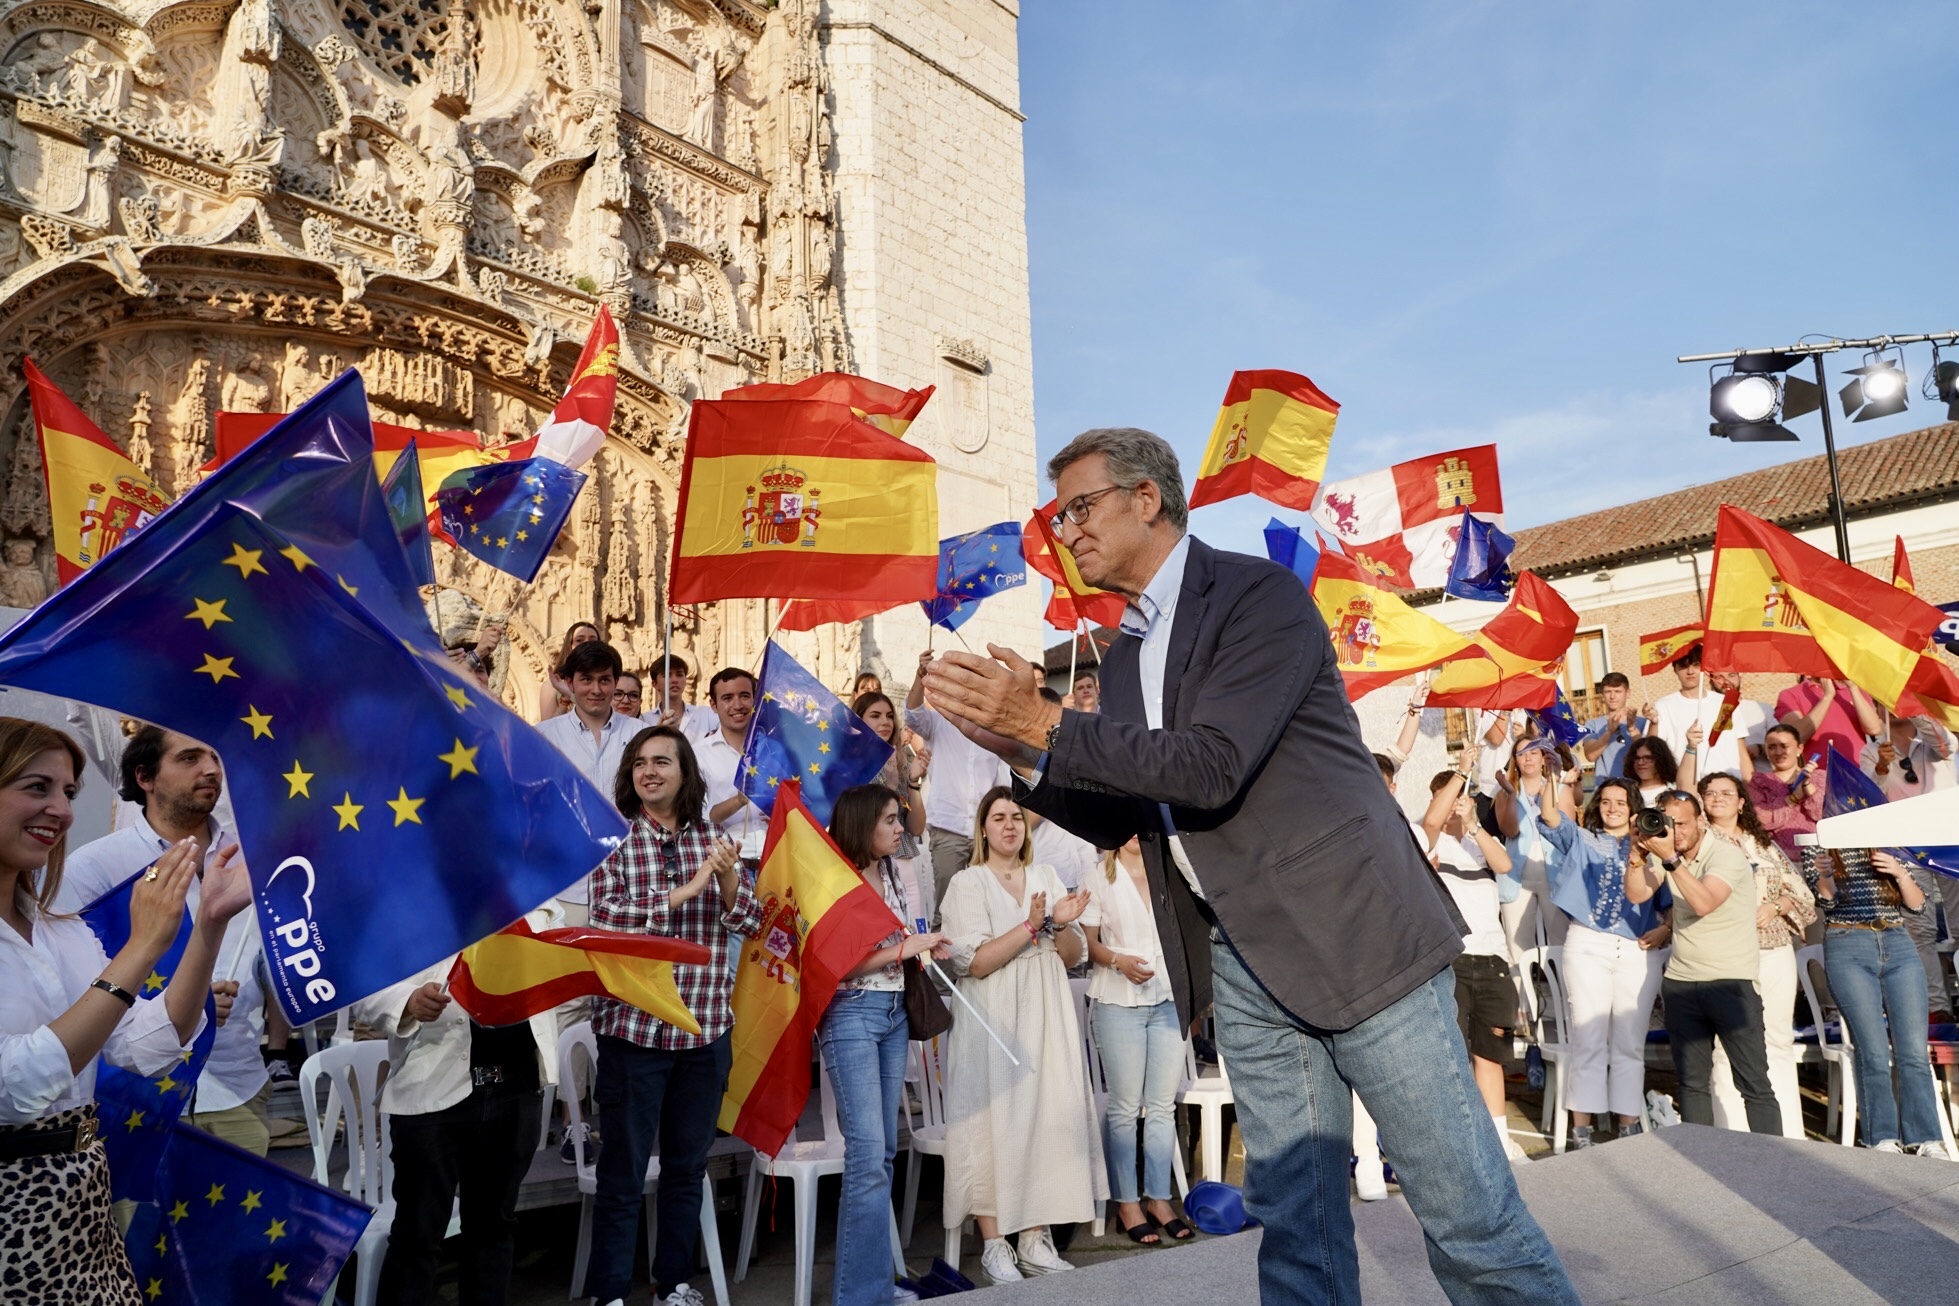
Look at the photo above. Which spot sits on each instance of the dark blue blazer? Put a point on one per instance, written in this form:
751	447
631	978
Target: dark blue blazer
1305	858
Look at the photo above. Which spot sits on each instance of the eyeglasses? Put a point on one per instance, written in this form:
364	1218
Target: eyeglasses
630	695
1078	508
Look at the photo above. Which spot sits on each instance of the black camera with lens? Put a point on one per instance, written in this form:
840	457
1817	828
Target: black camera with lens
1651	823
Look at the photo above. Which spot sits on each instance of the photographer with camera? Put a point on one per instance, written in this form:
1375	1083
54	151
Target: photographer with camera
1710	985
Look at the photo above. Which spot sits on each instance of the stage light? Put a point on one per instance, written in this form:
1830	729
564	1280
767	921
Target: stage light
1942	383
1877	389
1752	400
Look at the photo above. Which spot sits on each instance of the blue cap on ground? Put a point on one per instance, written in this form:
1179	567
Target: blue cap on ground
1215	1208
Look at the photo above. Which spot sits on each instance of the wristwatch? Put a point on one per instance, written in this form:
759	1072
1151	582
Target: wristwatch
1054	735
1669	866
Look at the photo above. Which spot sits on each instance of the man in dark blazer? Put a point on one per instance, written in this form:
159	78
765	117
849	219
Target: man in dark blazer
1287	884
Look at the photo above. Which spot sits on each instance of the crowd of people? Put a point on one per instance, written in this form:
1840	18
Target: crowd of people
1020	836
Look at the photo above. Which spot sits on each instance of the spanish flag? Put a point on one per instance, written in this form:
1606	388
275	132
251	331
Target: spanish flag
1074	600
1934	688
1522	654
1663	648
1377	637
97	497
808	614
578	424
820	918
1777	604
1901	566
1270	439
799	498
886	407
518	972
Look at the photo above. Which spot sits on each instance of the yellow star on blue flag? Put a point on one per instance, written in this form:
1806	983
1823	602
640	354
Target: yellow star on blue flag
972	567
802	731
509	514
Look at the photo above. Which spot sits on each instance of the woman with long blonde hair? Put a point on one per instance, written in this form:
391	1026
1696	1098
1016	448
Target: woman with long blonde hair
64	1004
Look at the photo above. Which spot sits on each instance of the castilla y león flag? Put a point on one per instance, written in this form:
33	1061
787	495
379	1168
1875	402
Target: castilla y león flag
1522	649
1270	439
1777	604
97	497
518	972
801	498
820	918
886	407
1401	523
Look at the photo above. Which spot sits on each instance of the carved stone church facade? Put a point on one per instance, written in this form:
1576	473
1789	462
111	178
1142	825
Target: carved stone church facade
211	206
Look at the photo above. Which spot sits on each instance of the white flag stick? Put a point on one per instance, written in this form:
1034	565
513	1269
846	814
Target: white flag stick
970	1008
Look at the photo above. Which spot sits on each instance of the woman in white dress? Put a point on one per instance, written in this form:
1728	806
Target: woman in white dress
1023	1144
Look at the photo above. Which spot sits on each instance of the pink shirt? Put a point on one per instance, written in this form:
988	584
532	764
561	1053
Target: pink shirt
1839	729
1779	817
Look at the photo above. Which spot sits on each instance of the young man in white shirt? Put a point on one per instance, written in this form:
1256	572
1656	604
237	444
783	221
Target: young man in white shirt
670	707
1468	860
962	772
176	783
593	735
1698	703
732	694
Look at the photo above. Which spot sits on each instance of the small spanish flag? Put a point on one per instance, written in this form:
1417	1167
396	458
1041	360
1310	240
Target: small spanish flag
886	407
518	972
1522	650
820	918
1270	439
97	497
799	498
1377	637
1074	600
1901	566
1775	603
1663	648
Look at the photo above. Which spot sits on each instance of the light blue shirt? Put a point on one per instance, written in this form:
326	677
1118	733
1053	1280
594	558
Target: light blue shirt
1151	618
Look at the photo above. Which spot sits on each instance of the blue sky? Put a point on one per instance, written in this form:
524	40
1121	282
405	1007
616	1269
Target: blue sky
1473	222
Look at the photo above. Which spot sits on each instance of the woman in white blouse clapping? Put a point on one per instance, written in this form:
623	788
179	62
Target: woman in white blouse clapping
63	1004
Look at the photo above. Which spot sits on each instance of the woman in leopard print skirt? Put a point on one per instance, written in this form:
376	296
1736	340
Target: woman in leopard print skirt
63	1004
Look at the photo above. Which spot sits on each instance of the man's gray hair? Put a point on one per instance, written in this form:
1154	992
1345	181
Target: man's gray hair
1132	456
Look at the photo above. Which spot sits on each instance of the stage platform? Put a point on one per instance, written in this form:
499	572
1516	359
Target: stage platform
1684	1215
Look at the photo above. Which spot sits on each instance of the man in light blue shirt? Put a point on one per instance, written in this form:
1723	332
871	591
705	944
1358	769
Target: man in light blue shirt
1608	737
592	735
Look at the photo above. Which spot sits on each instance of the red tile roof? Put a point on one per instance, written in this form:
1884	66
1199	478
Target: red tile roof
1916	467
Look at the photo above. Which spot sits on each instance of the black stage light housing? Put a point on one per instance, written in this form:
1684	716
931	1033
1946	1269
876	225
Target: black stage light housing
1942	383
1879	388
1750	403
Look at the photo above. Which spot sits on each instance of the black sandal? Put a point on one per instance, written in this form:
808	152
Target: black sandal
1145	1234
1178	1230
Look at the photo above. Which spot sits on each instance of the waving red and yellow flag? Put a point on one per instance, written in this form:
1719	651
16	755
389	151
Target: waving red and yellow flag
578	424
1775	603
799	498
1663	648
1522	653
1074	600
97	497
1901	566
1377	637
518	972
1270	439
820	918
886	407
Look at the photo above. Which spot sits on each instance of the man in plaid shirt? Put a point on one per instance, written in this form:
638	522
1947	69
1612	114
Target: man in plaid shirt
672	876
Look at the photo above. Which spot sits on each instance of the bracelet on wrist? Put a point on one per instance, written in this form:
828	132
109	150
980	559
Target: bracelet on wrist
114	990
1032	932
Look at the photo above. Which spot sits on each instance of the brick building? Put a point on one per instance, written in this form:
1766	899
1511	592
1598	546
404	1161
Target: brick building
1644	566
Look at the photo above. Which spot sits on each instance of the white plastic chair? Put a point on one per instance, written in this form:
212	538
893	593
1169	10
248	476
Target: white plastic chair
578	1045
353	1072
803	1164
1551	1031
1370	1174
1841	1116
927	1135
1210	1094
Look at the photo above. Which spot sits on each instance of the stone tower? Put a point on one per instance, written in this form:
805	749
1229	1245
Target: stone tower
218	205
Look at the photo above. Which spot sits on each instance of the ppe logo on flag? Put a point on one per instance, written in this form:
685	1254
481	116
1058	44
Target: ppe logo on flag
289	912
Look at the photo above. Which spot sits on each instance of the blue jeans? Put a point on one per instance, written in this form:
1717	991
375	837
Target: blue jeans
863	1035
1142	1065
1294	1086
647	1093
1875	973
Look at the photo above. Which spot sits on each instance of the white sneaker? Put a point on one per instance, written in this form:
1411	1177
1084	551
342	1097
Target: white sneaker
683	1295
997	1262
1934	1150
1891	1145
1512	1149
1037	1254
902	1296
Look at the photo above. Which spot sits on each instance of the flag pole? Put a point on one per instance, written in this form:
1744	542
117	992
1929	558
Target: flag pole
1074	649
965	1002
666	662
768	630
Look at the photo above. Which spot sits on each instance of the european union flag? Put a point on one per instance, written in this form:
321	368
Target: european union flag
1559	721
242	1229
972	567
509	514
136	1114
1481	568
1850	790
391	811
408	509
1289	547
804	732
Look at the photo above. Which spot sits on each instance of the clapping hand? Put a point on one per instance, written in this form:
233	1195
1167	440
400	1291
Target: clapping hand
156	903
1037	910
227	888
1070	908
